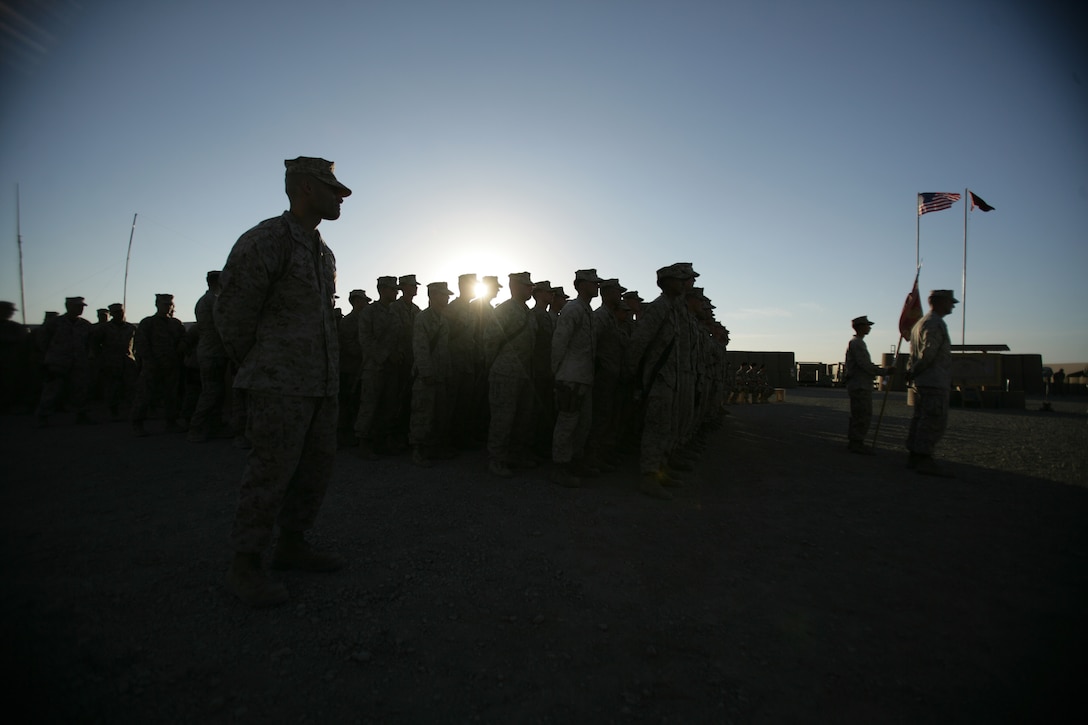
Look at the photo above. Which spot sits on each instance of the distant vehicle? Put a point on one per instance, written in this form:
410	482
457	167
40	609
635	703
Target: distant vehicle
815	374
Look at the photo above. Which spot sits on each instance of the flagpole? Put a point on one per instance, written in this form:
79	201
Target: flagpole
895	361
963	294
887	387
128	255
917	230
19	242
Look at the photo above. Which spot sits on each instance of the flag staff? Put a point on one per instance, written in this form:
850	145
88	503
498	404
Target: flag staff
917	231
911	313
963	292
128	255
19	242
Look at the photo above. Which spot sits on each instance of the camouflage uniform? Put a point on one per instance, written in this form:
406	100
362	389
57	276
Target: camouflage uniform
113	347
859	385
190	372
406	311
14	339
351	363
66	363
543	381
430	422
276	318
212	360
380	339
463	366
158	348
654	361
686	348
483	316
931	370
508	343
574	350
608	386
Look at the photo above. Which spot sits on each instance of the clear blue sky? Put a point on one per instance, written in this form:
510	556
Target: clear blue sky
779	146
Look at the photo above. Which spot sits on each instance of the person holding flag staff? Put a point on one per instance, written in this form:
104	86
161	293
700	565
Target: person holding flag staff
930	372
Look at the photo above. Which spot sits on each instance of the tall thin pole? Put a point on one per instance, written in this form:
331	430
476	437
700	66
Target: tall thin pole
19	241
963	293
895	359
917	230
128	255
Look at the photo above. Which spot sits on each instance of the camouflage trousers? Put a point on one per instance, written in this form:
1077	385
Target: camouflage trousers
510	428
929	421
73	380
208	413
430	422
116	381
607	408
543	415
685	407
378	403
349	402
861	414
289	466
572	422
156	381
659	429
462	394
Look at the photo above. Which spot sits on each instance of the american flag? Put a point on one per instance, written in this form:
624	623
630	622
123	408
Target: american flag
935	201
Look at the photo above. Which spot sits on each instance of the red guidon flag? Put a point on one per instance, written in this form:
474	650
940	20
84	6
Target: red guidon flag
912	312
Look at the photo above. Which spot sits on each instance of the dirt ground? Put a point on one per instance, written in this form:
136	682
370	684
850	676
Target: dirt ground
789	581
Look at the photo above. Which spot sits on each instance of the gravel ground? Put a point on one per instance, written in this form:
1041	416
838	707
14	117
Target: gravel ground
789	581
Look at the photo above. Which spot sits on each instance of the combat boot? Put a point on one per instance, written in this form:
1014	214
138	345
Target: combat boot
563	475
859	447
928	467
525	461
499	468
197	435
366	451
247	581
420	458
445	452
582	466
668	479
292	552
679	462
650	486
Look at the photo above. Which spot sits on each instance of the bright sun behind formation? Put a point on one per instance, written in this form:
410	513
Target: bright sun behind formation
485	239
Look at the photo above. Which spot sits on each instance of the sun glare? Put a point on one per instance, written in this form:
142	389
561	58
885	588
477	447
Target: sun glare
484	242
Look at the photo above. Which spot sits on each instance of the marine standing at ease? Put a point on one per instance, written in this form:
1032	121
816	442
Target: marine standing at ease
276	318
859	384
930	372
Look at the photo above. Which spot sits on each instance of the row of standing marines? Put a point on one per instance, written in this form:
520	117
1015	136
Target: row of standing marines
558	380
564	382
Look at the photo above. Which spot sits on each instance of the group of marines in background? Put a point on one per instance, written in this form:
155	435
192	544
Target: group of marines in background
559	381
